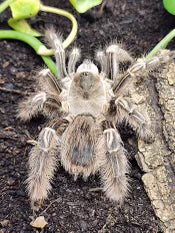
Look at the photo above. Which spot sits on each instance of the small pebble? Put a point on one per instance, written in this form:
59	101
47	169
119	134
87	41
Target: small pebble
10	181
12	70
5	64
4	222
9	86
39	222
83	225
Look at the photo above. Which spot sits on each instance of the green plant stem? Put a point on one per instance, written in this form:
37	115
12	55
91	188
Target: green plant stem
5	4
73	32
162	44
33	42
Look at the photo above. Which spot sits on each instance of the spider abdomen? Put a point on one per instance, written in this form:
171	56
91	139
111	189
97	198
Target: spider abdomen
78	154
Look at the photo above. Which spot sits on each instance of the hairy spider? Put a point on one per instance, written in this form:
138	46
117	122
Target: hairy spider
85	106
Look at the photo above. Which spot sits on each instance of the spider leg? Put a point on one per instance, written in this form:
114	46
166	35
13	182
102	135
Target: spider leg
31	106
115	55
39	103
47	82
73	58
45	101
127	111
42	164
102	59
52	107
114	166
143	66
55	42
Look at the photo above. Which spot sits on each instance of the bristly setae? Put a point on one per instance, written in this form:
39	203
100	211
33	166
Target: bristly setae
85	106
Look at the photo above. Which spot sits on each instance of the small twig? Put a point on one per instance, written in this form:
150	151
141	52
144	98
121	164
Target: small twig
13	91
49	206
98	189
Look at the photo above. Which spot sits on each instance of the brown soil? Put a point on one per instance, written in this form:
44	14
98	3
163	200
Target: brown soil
139	24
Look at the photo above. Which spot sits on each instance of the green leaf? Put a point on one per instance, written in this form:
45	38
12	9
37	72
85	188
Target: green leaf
23	26
22	9
83	5
169	6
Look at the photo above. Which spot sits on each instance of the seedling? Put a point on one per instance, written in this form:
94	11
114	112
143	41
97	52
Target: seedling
25	33
23	9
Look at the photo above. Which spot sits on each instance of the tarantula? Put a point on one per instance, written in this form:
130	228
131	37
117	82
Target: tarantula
85	106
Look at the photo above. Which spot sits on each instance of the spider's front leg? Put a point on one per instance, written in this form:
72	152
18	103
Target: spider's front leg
142	67
111	59
42	164
114	166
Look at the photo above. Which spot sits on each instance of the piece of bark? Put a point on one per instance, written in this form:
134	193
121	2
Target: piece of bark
155	97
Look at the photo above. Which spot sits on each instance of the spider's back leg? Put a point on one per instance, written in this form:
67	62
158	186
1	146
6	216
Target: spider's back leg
42	163
114	166
43	160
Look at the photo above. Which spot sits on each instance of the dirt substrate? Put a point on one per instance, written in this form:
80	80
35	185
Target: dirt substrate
139	24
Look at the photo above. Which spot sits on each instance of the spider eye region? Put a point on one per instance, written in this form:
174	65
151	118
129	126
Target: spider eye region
86	78
85	81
